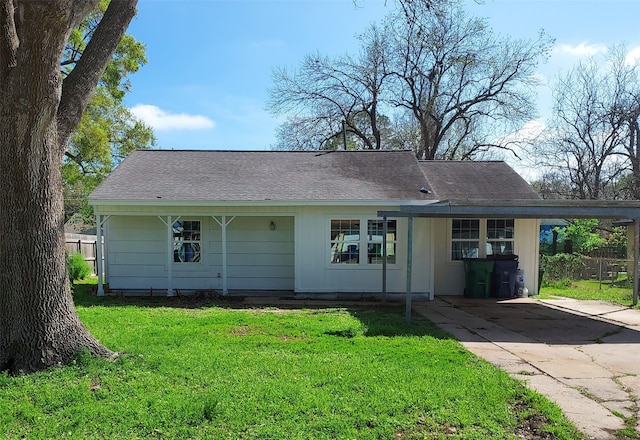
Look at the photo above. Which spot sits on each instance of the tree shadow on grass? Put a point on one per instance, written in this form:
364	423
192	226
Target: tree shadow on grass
391	321
377	318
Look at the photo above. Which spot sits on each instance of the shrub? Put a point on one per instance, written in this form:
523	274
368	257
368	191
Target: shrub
561	266
78	268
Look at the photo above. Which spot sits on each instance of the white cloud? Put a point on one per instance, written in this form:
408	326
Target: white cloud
633	56
581	50
529	132
160	120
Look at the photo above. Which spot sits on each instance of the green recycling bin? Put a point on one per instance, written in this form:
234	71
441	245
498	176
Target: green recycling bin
477	277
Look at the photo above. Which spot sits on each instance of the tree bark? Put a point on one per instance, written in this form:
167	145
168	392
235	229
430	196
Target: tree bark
39	326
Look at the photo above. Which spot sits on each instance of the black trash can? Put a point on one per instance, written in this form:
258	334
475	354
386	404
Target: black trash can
504	276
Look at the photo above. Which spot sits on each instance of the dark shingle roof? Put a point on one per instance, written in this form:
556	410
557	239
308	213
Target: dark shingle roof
469	180
189	175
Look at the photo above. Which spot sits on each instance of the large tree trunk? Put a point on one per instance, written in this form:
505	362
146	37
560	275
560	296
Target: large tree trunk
39	326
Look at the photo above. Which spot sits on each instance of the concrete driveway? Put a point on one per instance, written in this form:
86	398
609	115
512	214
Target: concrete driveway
582	355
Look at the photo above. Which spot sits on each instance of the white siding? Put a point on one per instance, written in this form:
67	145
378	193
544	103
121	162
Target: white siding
257	257
294	256
315	273
449	278
136	253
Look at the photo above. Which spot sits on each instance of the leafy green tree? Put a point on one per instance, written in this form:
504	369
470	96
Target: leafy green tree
583	234
108	131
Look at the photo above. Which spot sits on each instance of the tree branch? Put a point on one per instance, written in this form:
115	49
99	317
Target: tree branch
79	86
8	37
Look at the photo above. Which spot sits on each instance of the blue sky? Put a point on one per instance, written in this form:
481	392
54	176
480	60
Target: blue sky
210	61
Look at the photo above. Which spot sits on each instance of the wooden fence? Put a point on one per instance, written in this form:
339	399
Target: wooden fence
85	245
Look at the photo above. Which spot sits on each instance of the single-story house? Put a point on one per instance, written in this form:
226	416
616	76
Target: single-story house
313	222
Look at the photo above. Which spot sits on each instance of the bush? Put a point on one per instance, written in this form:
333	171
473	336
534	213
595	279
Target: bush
561	266
78	268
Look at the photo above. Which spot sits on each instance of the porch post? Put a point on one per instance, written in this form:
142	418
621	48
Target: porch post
409	264
223	225
384	259
100	291
225	286
636	257
169	224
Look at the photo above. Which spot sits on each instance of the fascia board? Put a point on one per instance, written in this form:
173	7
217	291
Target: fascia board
257	203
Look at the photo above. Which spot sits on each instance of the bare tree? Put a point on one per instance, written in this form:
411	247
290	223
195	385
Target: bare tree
457	79
39	112
626	109
329	93
429	68
592	138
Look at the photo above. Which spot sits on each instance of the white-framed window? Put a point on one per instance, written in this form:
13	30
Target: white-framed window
479	238
500	236
375	234
465	238
186	241
359	241
345	241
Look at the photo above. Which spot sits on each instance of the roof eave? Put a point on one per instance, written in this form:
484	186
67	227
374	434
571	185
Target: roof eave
521	209
256	203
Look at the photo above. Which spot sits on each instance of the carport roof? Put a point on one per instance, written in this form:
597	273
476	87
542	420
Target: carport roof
520	208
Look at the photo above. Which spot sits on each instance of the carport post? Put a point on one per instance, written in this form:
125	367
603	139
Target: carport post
409	261
636	251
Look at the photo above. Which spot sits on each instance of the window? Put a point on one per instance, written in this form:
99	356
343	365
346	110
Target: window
374	241
186	241
345	241
470	236
348	238
499	237
465	238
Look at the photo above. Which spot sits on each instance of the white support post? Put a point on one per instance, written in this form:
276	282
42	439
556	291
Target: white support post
223	224
170	291
100	221
384	259
409	267
169	224
100	291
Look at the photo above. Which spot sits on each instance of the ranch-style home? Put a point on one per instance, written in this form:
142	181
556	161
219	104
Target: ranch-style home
308	222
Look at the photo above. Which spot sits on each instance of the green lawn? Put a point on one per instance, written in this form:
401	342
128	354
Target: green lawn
620	292
203	370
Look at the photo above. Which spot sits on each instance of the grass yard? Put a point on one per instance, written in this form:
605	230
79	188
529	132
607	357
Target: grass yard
620	292
196	370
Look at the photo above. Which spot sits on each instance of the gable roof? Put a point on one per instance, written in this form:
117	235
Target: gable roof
163	176
482	180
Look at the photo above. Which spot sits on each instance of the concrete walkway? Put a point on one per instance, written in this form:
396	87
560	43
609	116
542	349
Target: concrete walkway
582	355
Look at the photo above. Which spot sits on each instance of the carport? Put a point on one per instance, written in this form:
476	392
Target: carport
526	209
